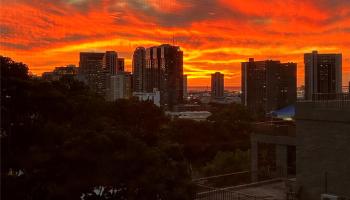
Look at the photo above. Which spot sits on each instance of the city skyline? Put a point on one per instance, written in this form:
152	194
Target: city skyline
175	99
215	35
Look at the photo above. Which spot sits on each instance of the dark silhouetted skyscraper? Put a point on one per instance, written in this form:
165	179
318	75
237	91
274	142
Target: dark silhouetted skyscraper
138	69
171	75
120	65
323	74
164	71
152	70
110	62
92	72
185	86
268	85
217	85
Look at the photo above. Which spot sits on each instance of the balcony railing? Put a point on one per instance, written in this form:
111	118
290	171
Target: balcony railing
327	101
331	97
230	186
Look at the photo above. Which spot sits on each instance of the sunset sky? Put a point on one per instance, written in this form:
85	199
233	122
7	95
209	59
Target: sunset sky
215	35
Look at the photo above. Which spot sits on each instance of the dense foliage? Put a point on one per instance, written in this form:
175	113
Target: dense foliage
227	129
61	141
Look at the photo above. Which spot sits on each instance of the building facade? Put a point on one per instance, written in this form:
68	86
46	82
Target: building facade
120	65
217	85
164	71
185	86
268	85
69	71
110	62
323	73
149	96
120	86
273	151
92	72
138	69
152	69
322	146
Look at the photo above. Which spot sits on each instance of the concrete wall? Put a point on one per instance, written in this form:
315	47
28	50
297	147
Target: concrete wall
281	143
323	146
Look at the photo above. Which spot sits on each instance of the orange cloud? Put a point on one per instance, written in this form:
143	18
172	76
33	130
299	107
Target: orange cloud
214	35
167	6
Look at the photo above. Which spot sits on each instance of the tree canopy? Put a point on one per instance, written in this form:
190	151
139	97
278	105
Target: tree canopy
61	141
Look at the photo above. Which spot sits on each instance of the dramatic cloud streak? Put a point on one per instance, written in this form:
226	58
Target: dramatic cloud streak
216	35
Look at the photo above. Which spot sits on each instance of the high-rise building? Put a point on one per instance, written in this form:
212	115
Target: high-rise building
171	75
217	85
185	86
164	71
120	86
127	85
120	65
110	62
323	74
92	72
138	69
268	85
152	69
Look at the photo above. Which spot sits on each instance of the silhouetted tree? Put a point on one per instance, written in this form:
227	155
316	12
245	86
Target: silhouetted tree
227	129
61	141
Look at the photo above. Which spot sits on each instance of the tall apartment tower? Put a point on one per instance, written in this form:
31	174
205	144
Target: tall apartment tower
217	85
164	71
120	65
138	69
185	86
110	62
268	85
92	72
323	73
152	69
171	75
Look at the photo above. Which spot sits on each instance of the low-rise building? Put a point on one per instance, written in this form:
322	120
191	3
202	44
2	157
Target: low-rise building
322	139
60	72
273	150
192	115
149	96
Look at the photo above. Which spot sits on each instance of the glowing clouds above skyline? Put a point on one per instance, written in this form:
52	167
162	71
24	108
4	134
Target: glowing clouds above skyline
216	35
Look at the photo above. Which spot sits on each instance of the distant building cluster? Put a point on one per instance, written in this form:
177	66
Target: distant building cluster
157	75
293	134
304	151
104	73
269	85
